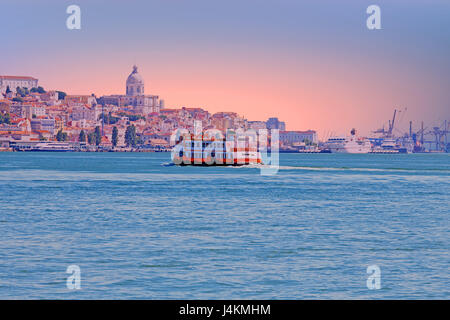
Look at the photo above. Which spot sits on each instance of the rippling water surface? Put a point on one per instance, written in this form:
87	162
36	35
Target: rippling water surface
141	230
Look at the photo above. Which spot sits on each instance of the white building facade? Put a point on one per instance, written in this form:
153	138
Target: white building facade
291	137
16	81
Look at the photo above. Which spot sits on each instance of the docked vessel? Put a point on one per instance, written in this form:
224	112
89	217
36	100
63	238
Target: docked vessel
350	144
53	147
390	145
200	150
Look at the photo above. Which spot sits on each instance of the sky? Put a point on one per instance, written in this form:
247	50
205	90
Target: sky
313	64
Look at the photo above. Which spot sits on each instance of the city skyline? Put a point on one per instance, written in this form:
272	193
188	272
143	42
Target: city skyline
228	158
304	72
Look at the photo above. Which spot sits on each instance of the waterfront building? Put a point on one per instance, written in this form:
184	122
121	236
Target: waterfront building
16	81
149	136
291	137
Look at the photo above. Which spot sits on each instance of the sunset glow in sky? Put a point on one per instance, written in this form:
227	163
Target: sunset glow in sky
312	64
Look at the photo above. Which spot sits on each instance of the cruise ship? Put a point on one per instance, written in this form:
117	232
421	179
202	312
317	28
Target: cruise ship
350	144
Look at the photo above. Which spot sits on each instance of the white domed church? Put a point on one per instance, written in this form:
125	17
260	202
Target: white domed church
135	83
135	96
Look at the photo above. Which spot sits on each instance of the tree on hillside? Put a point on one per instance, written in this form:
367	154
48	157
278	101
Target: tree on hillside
130	136
140	140
82	137
62	136
59	135
115	136
108	118
61	95
91	138
21	91
98	135
5	118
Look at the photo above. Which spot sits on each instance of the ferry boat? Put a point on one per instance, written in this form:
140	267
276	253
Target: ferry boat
389	146
200	150
350	144
53	147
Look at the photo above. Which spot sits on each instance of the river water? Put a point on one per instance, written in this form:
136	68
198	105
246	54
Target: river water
140	230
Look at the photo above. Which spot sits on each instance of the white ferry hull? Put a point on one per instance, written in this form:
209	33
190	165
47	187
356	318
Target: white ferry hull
347	150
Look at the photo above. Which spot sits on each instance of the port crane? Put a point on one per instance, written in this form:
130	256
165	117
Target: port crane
389	132
440	136
435	137
391	124
421	133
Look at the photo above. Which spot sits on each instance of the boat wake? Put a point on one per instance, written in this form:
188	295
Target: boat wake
167	164
305	168
312	168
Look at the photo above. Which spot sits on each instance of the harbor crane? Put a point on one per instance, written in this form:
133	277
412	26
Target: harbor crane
440	136
388	133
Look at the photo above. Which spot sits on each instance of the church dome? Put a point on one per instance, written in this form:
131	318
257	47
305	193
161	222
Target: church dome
135	83
135	77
